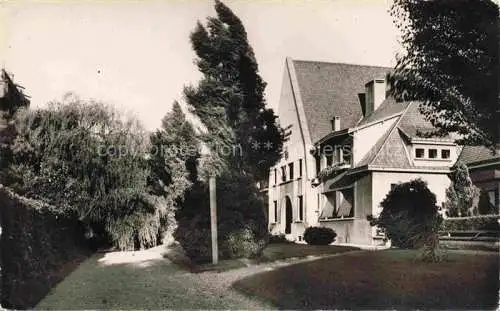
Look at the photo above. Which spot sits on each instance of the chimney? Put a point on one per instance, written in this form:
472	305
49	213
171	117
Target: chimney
375	94
335	123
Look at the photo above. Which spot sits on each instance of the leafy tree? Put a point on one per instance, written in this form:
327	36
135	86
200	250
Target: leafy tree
12	99
87	160
410	217
173	158
451	64
229	99
462	195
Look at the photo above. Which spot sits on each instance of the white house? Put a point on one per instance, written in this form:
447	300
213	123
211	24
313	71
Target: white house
348	145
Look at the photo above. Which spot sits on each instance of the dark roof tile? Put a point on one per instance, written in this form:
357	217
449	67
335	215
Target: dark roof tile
331	89
388	108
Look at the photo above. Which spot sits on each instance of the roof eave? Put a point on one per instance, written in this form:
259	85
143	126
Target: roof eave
334	134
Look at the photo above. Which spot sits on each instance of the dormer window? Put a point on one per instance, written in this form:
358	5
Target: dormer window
433	153
445	153
419	153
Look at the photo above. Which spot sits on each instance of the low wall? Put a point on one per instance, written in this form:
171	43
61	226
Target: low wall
38	249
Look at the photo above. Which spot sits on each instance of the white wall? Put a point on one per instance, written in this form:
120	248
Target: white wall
288	115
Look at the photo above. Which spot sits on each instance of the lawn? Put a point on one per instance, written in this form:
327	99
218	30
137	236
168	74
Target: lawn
148	280
282	251
380	280
118	281
272	253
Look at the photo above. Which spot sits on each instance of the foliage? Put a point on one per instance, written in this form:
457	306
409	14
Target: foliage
240	211
474	223
462	195
278	239
229	99
12	100
410	216
451	64
485	207
37	242
87	160
242	137
319	235
174	152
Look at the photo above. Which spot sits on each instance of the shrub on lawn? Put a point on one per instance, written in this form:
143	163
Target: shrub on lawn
36	243
319	235
241	222
241	243
487	222
410	217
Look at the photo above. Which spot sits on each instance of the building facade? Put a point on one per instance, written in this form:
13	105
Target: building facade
347	145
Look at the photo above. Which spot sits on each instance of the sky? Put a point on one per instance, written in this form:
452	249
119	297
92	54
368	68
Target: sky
136	55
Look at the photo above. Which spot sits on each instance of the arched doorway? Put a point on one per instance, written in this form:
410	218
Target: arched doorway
288	215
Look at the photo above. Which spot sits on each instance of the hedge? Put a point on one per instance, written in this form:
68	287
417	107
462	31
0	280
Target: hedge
319	235
36	244
473	223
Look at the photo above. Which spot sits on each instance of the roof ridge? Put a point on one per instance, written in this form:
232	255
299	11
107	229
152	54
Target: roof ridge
338	63
395	126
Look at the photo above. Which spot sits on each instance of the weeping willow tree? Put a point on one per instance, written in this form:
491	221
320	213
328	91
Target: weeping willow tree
90	162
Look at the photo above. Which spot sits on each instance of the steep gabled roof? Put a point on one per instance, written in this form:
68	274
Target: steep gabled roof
390	151
389	107
331	89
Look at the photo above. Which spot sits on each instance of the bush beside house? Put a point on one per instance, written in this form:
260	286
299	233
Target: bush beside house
319	235
410	217
37	244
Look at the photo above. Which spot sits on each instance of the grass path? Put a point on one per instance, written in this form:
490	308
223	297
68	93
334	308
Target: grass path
146	280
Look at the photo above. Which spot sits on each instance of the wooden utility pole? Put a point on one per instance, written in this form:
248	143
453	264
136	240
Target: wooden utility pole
213	219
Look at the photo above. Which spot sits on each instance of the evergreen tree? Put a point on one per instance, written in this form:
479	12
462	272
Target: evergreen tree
462	195
451	64
173	158
229	99
243	138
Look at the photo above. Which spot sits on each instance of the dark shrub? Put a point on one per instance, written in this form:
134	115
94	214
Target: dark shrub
241	222
319	235
409	215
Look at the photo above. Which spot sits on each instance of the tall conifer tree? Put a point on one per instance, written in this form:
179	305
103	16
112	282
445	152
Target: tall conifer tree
230	98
